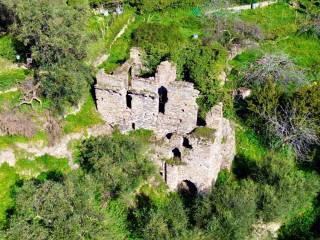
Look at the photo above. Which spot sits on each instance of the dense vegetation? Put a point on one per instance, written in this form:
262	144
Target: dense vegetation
116	193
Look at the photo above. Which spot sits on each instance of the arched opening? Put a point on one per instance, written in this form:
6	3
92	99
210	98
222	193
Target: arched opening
129	100
133	126
176	153
169	136
163	99
186	143
187	187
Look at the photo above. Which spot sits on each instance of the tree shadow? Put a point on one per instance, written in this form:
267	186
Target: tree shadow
243	167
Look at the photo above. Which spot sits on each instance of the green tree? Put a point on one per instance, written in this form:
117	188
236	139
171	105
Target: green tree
52	29
54	33
202	65
159	41
117	162
229	211
56	210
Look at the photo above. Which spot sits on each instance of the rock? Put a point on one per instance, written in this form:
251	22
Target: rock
242	92
7	156
101	59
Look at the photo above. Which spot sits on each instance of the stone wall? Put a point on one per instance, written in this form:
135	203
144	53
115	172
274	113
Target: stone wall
201	158
168	107
159	103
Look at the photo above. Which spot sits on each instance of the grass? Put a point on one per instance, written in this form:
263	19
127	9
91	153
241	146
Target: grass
186	21
11	78
280	24
204	133
278	20
184	18
105	29
119	52
87	117
302	50
248	145
32	168
9	141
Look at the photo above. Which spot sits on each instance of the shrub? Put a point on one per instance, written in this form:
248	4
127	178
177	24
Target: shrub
158	40
202	65
56	210
117	162
275	116
277	67
7	49
229	211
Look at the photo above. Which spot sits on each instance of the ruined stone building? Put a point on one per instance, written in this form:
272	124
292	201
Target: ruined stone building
186	157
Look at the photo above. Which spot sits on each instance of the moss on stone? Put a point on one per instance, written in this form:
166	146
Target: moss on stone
204	133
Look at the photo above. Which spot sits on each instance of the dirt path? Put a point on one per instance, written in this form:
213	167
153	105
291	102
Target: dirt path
14	89
243	7
104	57
59	150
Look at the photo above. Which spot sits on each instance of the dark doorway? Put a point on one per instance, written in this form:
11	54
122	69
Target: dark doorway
188	187
176	153
129	100
133	126
201	122
163	99
186	143
169	136
130	77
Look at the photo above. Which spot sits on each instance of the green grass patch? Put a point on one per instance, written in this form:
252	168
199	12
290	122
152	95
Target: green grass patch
204	133
248	145
32	168
87	117
9	100
119	52
278	20
184	18
10	141
302	50
105	29
11	78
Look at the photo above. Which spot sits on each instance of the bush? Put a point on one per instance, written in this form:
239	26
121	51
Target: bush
149	220
202	65
56	210
117	162
159	41
55	37
65	83
7	49
277	67
229	211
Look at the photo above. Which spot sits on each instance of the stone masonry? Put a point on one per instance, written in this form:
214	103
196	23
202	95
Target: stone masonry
167	107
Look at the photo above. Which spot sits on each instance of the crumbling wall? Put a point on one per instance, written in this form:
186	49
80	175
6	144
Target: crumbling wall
169	108
159	103
201	158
